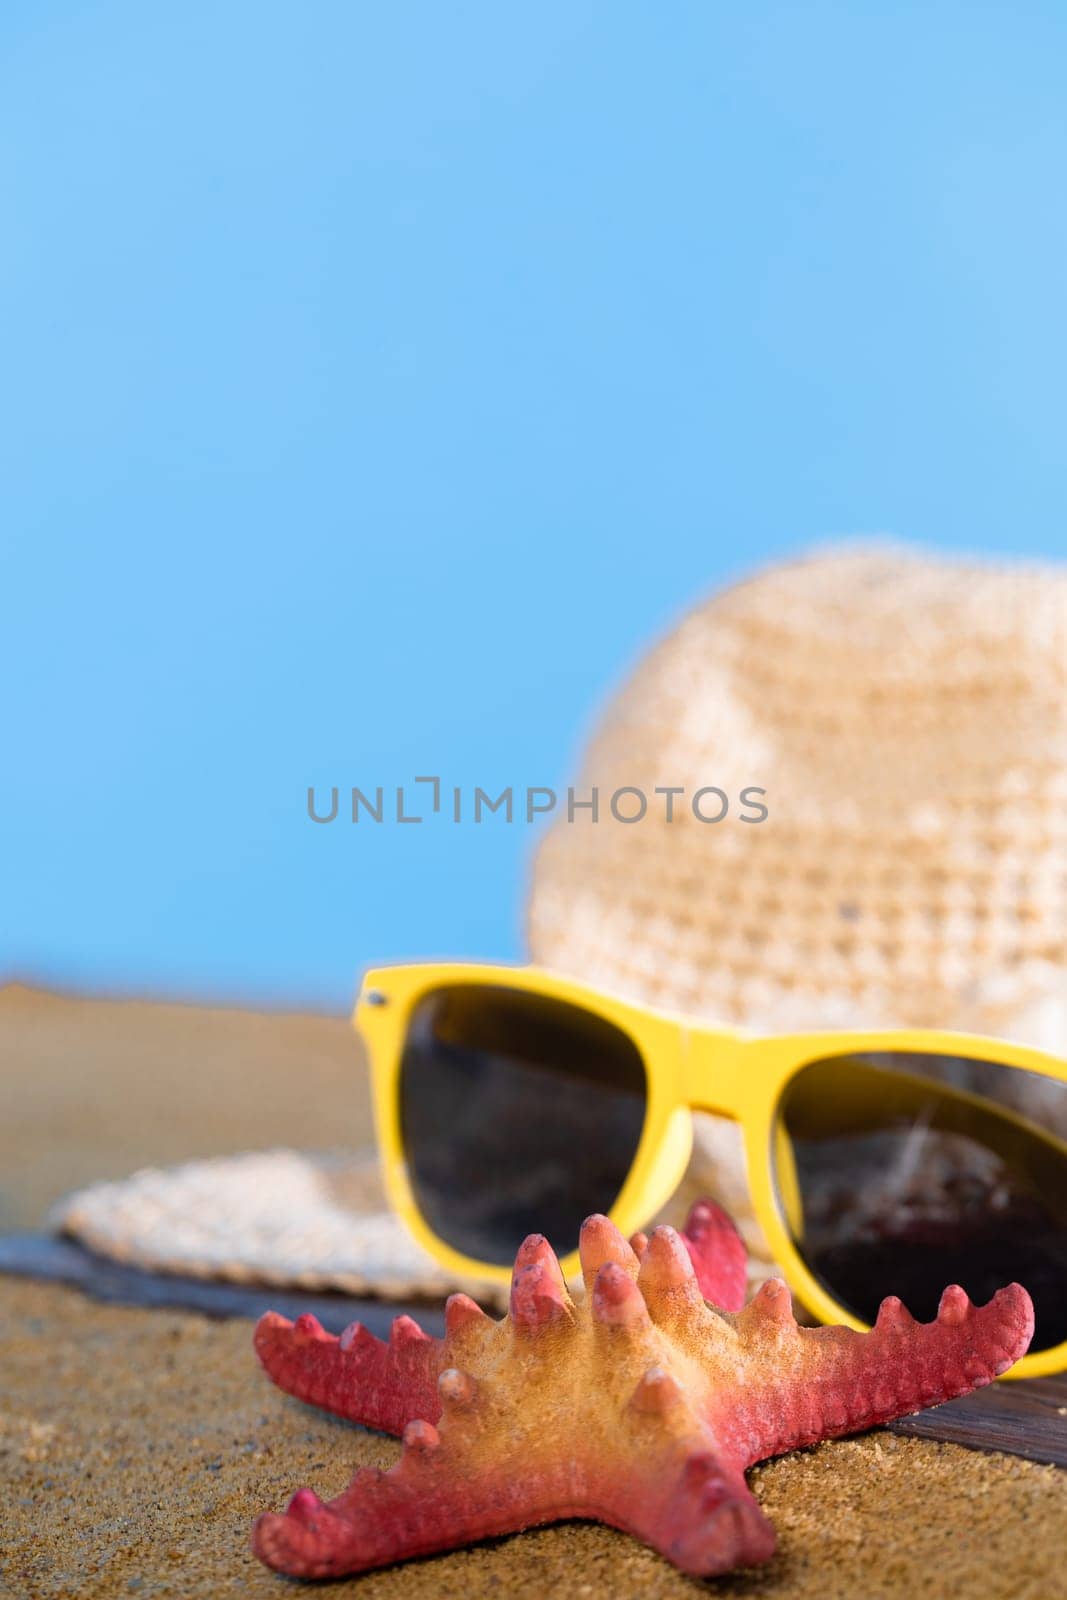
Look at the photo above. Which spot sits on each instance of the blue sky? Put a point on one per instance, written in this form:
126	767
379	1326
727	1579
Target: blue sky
377	380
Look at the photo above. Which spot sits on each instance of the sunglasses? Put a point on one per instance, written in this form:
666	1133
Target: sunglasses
512	1101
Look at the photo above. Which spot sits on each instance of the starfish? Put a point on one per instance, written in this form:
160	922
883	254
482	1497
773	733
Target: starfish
641	1405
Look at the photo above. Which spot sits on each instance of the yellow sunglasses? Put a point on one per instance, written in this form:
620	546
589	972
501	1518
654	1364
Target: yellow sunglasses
514	1100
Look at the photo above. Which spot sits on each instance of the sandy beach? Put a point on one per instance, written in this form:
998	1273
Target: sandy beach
136	1446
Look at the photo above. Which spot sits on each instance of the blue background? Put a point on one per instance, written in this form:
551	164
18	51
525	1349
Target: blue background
377	379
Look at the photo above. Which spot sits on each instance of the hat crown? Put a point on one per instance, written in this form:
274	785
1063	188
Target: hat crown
907	717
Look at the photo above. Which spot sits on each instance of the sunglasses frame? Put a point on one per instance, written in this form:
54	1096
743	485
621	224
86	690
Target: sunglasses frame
689	1067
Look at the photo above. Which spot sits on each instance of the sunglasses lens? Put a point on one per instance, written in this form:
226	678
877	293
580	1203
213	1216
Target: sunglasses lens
519	1114
900	1173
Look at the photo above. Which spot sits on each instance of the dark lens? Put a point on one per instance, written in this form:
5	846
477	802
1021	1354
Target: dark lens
911	1172
519	1115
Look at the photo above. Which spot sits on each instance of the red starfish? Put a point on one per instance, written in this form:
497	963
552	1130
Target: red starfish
640	1406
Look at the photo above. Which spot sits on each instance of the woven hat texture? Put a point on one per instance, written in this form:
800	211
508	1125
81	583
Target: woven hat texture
907	717
283	1217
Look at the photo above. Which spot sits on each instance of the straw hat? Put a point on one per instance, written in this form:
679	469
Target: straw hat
296	1219
907	717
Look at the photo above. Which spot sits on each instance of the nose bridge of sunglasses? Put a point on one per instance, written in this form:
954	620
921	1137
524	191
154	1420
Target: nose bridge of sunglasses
716	1074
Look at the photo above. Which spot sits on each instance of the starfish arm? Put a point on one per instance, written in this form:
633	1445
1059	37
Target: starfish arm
695	1508
805	1384
357	1376
483	1474
428	1502
716	1253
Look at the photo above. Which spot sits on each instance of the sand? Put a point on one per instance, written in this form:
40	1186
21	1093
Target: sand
137	1446
96	1088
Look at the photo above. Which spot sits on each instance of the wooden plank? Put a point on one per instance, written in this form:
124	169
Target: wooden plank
1025	1418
